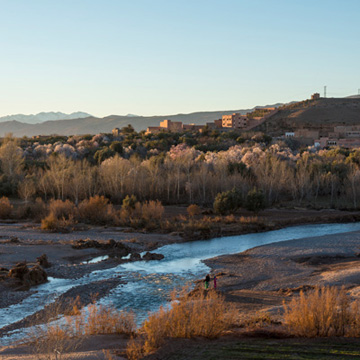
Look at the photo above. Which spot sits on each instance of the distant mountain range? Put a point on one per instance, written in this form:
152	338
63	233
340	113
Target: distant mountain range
327	111
43	116
20	125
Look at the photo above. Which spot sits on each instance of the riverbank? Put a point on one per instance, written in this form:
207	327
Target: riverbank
262	278
255	280
26	242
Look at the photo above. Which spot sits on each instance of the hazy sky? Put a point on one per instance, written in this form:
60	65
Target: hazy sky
162	57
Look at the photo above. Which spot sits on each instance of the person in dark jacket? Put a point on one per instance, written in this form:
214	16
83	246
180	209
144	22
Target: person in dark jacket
207	281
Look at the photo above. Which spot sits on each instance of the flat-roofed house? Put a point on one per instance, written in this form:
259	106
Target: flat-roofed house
234	121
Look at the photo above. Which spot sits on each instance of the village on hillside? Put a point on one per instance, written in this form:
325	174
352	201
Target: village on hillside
346	136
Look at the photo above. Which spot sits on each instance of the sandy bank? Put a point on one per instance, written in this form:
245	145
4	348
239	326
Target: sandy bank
262	277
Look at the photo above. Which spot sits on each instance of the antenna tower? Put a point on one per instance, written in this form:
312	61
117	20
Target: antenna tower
325	91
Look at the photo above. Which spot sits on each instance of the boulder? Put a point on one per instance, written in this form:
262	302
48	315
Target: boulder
37	275
43	261
119	248
19	271
28	277
152	256
135	256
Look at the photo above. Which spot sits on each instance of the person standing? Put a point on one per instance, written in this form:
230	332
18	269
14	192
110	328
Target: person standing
215	279
207	281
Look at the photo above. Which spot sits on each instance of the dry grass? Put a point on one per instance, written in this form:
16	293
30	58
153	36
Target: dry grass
135	349
326	311
5	208
108	320
51	340
203	314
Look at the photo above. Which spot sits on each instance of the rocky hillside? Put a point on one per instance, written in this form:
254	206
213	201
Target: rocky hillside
322	114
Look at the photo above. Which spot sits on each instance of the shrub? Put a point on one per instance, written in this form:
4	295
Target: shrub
35	210
152	210
323	312
134	349
52	223
62	215
129	203
96	210
5	208
202	314
193	210
255	200
228	201
62	209
108	320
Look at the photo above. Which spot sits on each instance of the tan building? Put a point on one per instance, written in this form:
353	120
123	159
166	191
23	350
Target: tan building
116	132
166	125
315	96
154	129
174	126
349	143
234	121
193	127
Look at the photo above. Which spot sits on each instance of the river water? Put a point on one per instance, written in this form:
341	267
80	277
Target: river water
150	282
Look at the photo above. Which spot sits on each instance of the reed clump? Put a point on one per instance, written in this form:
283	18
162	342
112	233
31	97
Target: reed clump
325	311
202	314
66	323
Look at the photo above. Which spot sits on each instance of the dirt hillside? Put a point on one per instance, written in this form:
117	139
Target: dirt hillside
322	114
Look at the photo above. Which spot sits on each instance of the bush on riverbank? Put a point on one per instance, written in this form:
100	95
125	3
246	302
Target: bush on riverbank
97	210
204	314
5	208
326	311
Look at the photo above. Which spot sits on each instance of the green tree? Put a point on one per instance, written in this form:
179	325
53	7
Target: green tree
255	200
129	202
103	154
227	202
116	147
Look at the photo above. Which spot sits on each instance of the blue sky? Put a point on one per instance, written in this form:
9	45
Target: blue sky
153	57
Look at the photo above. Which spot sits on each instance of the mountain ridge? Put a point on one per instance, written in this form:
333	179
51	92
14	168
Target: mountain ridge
43	116
94	125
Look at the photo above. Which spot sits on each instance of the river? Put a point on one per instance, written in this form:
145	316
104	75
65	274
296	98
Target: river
150	282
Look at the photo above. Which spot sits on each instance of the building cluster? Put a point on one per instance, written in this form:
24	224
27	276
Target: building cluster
233	121
343	136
